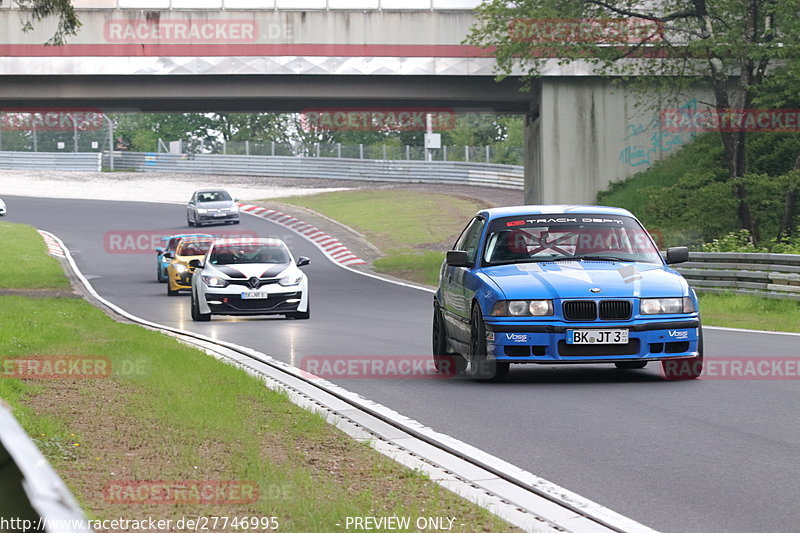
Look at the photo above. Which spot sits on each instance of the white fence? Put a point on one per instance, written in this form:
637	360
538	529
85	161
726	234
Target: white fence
452	172
767	275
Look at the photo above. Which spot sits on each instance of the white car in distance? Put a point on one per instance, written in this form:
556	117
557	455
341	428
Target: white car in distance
249	277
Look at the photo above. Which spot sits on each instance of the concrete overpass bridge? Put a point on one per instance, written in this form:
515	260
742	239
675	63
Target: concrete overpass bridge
292	55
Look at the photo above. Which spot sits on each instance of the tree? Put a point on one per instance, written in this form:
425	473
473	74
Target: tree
728	47
68	23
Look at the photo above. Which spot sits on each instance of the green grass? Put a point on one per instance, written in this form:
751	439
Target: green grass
410	227
171	412
749	312
420	267
23	262
394	218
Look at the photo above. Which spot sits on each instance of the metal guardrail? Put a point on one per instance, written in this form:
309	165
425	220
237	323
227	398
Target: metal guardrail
30	490
449	172
766	275
80	161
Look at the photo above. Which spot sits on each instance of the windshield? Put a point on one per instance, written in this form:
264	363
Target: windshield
199	247
232	254
571	237
213	196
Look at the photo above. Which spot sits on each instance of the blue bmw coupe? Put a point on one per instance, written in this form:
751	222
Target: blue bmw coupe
563	284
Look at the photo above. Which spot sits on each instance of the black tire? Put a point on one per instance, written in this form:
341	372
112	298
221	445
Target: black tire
197	316
630	365
447	364
481	368
236	221
170	292
682	369
189	221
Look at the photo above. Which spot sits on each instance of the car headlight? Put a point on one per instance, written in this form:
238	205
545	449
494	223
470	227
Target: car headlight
213	281
180	268
523	308
666	306
288	281
202	210
234	208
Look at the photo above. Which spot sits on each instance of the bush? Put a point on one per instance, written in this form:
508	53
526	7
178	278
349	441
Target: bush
741	241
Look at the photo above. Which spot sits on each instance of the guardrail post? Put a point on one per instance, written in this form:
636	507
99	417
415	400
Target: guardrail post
360	151
339	150
408	152
35	136
444	152
384	152
224	147
247	148
272	148
316	149
466	154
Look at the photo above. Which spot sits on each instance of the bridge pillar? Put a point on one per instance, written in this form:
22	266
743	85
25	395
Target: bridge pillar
585	133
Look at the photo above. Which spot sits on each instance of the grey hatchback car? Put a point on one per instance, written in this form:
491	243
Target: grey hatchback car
212	206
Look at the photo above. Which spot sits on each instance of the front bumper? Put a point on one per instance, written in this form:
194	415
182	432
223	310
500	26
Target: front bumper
182	280
233	304
651	340
211	217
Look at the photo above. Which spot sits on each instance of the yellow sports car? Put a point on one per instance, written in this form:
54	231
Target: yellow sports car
179	273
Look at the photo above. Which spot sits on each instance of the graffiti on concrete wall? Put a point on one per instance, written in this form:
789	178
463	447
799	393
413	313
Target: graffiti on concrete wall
647	140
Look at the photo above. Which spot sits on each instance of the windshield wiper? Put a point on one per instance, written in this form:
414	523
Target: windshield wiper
600	258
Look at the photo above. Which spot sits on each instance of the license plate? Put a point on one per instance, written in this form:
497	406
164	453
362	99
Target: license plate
219	214
255	295
597	336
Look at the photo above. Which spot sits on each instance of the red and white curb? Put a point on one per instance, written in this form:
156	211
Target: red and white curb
53	248
335	250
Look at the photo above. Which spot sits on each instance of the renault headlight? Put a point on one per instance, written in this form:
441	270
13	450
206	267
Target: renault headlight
666	306
181	268
213	281
291	279
523	308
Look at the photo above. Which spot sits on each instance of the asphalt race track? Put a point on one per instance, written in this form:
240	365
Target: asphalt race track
701	456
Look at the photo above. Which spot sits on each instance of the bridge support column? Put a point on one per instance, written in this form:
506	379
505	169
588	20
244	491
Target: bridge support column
587	133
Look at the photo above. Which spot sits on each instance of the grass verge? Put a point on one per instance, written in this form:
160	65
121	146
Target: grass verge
168	413
24	262
413	228
749	312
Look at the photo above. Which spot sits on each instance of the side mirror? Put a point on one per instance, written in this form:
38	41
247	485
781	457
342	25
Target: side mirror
236	200
159	250
678	254
458	258
195	263
169	255
303	261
